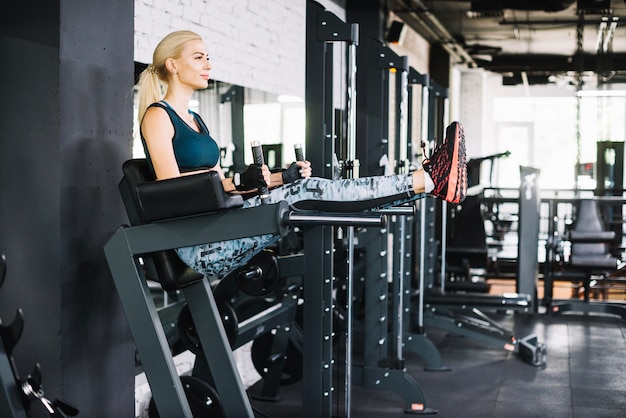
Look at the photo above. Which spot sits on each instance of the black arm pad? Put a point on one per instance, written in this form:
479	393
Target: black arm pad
591	236
184	196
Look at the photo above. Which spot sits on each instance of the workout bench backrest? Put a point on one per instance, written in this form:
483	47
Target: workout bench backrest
147	200
589	237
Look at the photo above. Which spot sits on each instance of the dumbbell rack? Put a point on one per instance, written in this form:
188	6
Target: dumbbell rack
18	393
10	395
277	315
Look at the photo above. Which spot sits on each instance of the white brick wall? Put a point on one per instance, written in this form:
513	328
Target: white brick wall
470	109
253	43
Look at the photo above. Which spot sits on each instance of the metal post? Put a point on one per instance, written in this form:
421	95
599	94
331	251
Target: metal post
322	29
351	140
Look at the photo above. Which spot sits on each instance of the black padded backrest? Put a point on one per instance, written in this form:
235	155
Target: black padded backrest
468	225
176	197
588	235
136	172
468	239
147	200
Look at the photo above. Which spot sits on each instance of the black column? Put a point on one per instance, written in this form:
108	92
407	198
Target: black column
66	121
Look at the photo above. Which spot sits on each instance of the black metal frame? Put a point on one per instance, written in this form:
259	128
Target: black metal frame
382	369
414	338
122	251
323	29
550	274
457	314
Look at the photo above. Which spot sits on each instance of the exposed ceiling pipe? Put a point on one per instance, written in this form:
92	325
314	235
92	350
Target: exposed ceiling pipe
418	17
538	5
531	5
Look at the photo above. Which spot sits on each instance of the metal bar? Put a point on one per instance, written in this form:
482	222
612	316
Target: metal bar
145	325
364	219
401	166
321	28
422	267
400	291
317	341
402	116
408	210
216	349
208	228
444	243
351	140
270	318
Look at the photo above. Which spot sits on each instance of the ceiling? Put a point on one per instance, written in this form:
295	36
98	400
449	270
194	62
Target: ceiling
534	41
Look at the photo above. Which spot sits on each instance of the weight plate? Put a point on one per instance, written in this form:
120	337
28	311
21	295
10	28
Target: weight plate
203	399
187	329
268	274
261	351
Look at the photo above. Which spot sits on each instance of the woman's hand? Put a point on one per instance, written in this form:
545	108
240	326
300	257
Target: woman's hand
305	169
267	175
297	170
255	176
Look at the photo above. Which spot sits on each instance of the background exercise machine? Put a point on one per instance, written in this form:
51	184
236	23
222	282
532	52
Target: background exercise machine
464	313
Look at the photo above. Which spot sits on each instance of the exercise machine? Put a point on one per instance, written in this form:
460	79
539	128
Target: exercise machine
464	313
590	261
324	139
161	226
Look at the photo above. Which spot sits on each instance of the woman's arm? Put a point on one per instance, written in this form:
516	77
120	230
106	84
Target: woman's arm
277	179
158	132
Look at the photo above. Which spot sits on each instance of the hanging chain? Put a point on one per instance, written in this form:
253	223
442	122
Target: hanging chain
579	85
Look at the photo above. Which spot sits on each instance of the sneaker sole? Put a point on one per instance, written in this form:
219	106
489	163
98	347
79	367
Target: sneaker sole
453	178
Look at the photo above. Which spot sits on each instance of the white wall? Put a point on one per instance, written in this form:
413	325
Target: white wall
258	44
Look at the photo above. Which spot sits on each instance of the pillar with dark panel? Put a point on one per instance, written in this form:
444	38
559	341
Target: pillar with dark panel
66	127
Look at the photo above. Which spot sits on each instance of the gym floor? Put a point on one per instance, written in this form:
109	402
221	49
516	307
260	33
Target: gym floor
584	375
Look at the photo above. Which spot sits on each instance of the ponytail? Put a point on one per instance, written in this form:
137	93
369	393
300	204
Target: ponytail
149	89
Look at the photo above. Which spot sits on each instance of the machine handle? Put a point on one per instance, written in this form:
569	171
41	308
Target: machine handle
257	155
299	152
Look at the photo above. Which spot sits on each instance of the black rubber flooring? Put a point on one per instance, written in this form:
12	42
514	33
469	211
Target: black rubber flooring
584	375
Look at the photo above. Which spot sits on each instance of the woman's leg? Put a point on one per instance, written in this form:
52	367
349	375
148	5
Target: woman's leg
444	176
218	259
344	195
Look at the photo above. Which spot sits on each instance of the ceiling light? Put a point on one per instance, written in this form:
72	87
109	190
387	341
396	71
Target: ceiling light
285	98
608	39
483	57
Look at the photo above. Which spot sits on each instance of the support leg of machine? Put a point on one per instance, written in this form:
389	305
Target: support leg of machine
317	351
145	325
421	345
214	341
396	381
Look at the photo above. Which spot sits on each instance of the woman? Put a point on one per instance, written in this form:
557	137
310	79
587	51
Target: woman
177	143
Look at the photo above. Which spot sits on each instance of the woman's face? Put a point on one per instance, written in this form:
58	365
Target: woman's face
193	65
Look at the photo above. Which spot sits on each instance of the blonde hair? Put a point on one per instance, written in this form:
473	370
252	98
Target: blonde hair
154	79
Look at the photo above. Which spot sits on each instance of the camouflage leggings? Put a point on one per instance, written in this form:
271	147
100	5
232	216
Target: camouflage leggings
217	259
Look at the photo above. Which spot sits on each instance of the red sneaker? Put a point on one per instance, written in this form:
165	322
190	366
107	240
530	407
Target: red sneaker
447	166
